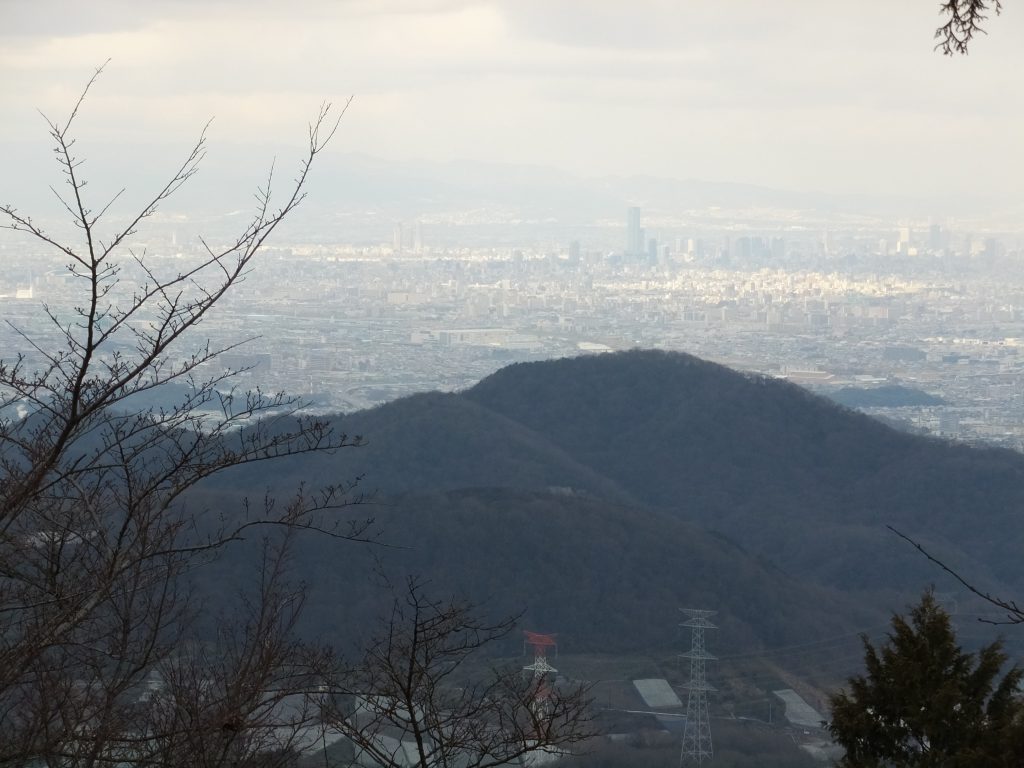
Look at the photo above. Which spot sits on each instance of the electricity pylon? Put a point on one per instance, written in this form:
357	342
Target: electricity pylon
697	733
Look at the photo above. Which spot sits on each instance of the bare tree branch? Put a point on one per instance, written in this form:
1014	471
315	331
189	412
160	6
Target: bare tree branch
420	688
964	19
1014	612
96	539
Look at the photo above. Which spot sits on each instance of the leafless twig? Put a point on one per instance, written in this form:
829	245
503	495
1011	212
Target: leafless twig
96	541
1014	613
964	20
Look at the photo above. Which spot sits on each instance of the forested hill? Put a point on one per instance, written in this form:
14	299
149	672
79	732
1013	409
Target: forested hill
793	477
801	485
606	577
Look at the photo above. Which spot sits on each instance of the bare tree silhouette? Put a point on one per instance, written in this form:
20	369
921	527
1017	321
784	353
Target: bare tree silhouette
100	659
412	701
964	20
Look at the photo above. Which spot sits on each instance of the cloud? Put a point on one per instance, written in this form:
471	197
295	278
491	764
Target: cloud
61	19
767	92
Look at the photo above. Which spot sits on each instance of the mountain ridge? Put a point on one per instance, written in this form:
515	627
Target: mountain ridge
644	449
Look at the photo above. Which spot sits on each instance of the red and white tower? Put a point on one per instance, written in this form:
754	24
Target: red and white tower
540	644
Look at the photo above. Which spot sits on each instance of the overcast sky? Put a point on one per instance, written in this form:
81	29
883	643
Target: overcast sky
801	94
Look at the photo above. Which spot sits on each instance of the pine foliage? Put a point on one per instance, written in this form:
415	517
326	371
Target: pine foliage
924	701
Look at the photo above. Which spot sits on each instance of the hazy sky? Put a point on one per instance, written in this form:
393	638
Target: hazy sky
805	94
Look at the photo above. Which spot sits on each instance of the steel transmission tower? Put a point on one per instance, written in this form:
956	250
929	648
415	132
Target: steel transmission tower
697	733
540	644
542	671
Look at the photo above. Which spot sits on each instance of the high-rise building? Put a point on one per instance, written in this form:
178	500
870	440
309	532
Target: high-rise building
778	248
743	248
417	236
634	232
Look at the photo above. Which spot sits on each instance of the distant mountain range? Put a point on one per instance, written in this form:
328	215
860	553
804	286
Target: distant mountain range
601	493
537	193
353	196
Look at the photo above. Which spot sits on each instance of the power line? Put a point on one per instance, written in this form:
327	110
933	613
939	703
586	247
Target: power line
785	649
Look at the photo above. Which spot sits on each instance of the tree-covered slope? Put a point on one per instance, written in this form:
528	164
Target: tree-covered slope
602	447
606	577
434	441
805	483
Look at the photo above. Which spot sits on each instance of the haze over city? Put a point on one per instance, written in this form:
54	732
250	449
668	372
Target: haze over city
627	321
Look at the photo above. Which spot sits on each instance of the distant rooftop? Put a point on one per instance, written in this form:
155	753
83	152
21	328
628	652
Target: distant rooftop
657	694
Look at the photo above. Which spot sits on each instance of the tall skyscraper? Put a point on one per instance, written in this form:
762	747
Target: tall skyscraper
652	252
417	236
396	239
634	232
